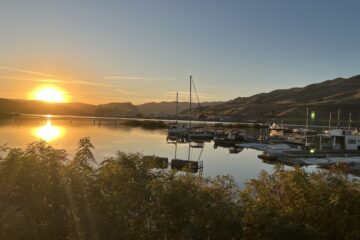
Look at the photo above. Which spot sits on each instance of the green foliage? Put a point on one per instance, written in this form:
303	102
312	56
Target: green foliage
299	205
44	195
84	157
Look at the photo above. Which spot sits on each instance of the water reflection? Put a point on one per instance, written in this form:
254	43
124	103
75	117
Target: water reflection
49	132
110	137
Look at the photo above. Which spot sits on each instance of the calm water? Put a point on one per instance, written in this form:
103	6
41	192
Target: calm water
109	137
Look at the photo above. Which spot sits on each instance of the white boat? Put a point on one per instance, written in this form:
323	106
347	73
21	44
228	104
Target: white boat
197	133
277	127
274	151
256	146
176	130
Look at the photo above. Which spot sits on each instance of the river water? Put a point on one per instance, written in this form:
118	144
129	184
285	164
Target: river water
111	136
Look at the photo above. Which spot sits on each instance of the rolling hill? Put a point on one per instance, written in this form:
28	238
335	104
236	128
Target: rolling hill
321	98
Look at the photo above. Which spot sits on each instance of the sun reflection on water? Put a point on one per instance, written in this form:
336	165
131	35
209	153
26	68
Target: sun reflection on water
48	132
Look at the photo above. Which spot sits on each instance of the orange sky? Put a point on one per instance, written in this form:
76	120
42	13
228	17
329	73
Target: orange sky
21	83
141	51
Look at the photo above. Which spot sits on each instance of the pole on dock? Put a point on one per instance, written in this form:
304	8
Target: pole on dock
330	121
189	152
350	120
338	119
307	117
175	149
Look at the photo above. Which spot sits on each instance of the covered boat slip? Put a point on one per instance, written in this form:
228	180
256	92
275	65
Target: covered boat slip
338	139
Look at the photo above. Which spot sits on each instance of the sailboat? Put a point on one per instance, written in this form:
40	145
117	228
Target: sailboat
175	130
197	133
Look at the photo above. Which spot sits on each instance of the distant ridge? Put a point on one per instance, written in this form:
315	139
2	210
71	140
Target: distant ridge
287	104
291	104
126	109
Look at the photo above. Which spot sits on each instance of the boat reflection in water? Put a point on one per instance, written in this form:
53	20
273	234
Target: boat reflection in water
48	132
188	165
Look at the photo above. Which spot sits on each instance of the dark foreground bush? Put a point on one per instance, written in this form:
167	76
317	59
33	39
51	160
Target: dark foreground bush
44	195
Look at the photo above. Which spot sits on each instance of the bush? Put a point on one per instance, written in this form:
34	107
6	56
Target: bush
44	195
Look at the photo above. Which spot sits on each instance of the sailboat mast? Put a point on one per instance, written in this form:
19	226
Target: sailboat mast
330	121
190	111
307	117
338	119
177	106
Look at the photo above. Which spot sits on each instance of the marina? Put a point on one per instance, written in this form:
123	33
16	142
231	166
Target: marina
242	152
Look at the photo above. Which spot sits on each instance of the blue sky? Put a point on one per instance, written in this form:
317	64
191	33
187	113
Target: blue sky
144	50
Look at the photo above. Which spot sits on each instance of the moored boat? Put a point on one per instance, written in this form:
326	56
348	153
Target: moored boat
232	138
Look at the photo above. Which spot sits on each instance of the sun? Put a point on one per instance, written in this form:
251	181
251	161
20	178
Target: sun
49	94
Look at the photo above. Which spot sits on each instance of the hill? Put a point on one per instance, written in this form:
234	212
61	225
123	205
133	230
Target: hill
321	98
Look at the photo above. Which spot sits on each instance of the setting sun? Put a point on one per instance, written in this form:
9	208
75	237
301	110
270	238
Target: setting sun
49	94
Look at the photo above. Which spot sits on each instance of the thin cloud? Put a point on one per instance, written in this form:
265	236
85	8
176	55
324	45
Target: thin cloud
29	79
26	71
126	92
49	78
124	77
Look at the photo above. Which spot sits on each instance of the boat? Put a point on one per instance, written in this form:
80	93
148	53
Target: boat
256	146
175	130
333	143
275	151
277	127
339	140
232	138
200	134
197	133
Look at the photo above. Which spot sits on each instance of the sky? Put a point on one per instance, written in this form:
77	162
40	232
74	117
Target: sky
101	51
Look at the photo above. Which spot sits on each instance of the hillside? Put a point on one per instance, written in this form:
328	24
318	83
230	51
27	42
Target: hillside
169	108
291	104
